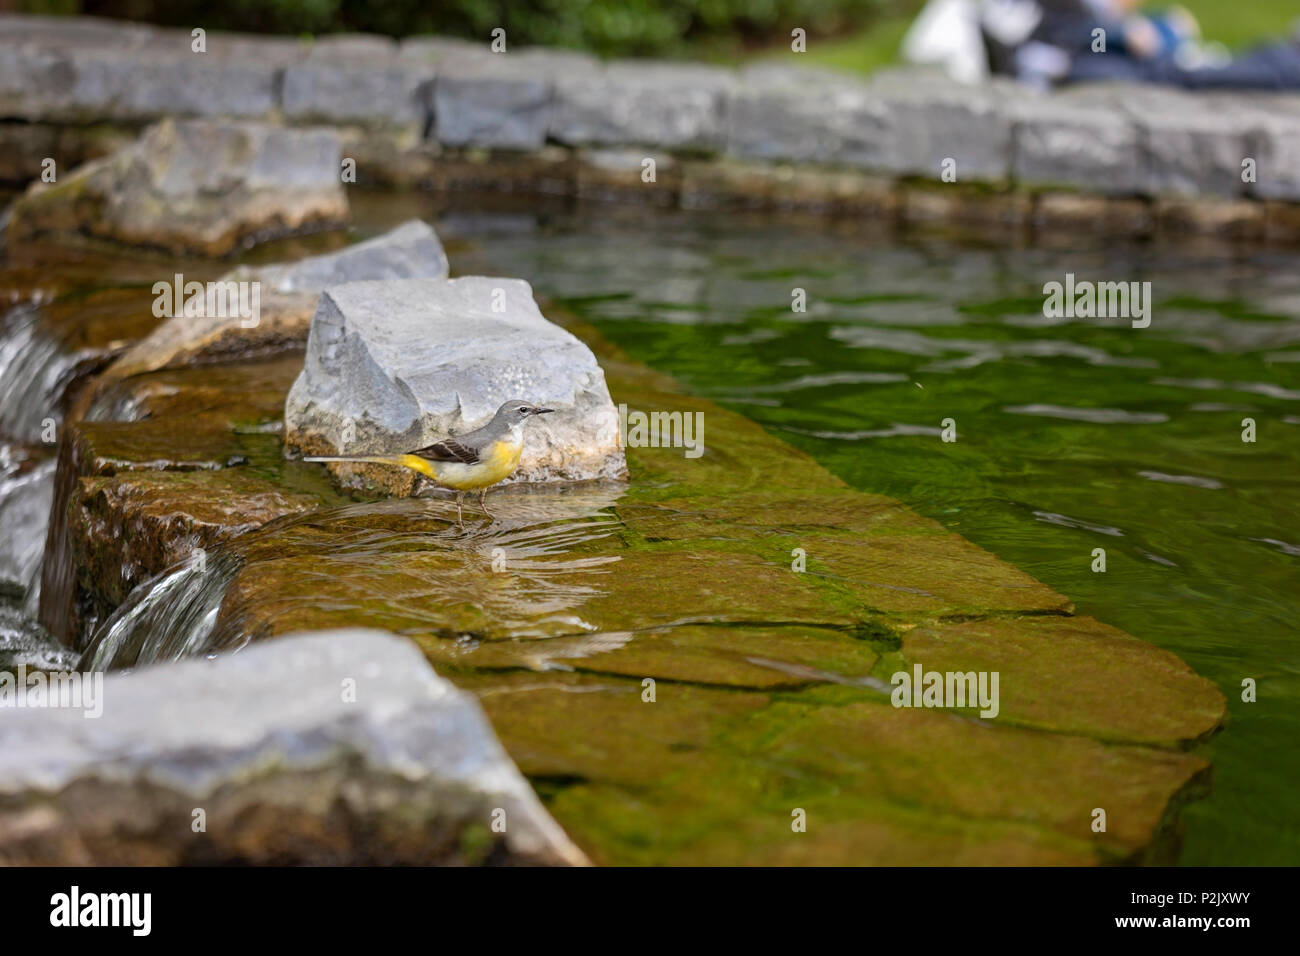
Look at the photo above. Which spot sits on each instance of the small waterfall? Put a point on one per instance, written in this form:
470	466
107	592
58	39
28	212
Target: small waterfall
36	368
171	616
26	491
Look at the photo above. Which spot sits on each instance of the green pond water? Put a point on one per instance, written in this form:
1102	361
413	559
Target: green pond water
1072	434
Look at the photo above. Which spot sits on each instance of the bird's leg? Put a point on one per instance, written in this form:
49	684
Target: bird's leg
460	517
481	495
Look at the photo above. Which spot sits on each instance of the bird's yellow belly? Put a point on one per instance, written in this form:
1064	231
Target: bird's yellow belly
496	464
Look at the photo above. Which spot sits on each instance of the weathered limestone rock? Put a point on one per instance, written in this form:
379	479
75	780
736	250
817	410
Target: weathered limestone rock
287	767
357	79
664	105
197	186
799	115
392	366
288	300
1086	147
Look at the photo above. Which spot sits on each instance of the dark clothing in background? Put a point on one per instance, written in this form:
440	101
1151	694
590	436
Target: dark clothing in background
1067	26
1272	67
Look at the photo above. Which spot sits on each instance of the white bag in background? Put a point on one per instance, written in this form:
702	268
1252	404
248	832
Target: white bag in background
947	33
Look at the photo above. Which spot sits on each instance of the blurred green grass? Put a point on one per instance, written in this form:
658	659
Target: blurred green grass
1236	25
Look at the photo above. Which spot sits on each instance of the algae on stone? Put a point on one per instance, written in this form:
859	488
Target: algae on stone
675	688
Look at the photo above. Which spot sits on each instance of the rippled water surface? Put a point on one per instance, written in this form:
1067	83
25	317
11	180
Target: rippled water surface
1073	434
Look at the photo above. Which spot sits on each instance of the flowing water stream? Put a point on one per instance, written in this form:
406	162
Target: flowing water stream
1072	435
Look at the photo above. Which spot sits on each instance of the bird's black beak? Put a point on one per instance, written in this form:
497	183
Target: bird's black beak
542	411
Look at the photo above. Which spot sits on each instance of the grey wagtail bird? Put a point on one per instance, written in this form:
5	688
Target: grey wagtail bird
471	462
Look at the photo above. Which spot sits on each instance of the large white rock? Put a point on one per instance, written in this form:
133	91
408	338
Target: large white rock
392	366
330	747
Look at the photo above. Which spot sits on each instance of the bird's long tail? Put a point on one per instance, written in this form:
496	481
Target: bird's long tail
414	462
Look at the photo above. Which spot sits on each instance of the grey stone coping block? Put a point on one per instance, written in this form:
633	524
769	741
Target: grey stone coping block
1109	138
791	114
1091	148
1274	144
649	102
135	76
1189	145
41	71
357	80
931	119
245	48
1190	151
499	100
327	747
393	366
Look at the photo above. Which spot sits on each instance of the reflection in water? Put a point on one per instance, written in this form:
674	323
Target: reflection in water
394	560
1073	433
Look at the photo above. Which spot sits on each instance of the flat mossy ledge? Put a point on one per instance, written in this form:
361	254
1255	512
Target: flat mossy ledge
771	686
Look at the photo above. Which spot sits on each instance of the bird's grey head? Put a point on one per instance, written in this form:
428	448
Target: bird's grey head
516	412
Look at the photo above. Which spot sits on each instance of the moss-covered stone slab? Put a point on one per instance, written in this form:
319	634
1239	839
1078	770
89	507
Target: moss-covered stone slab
683	662
712	775
1074	675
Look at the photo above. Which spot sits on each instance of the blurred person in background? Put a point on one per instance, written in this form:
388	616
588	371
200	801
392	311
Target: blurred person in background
1047	42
